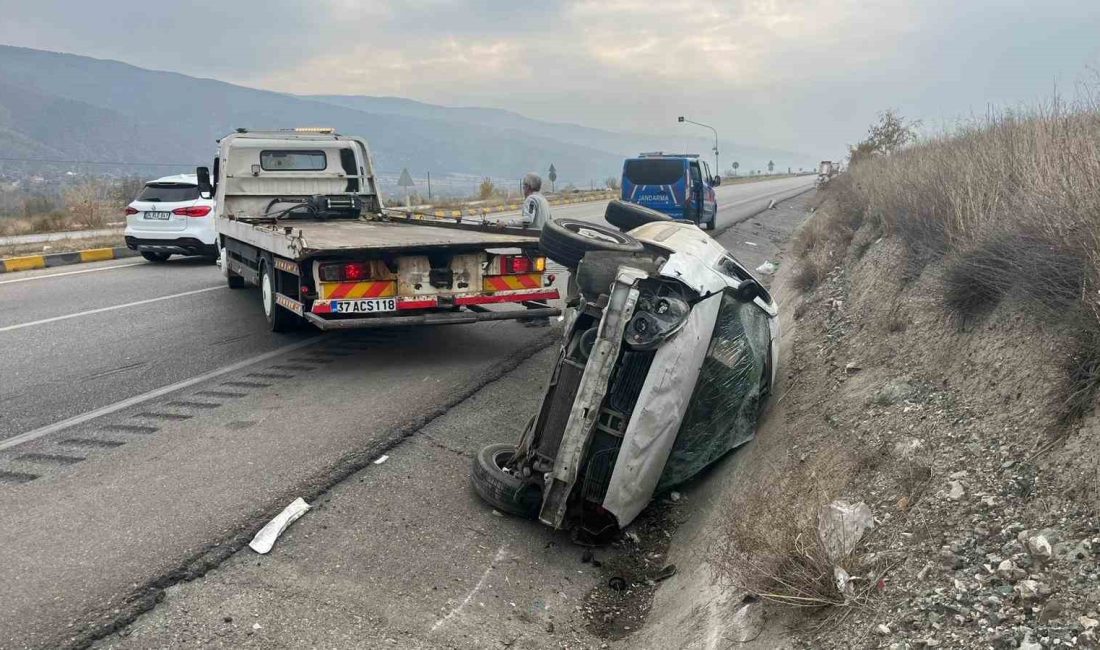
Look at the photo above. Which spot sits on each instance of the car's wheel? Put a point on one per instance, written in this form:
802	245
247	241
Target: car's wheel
156	257
567	240
628	216
710	224
232	279
501	489
279	319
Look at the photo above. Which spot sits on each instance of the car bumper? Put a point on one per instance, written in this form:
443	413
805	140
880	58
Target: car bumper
177	246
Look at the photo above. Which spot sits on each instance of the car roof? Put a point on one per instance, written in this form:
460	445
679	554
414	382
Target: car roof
178	179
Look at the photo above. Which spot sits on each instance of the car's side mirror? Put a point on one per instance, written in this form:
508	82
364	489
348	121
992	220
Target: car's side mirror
206	190
748	291
717	181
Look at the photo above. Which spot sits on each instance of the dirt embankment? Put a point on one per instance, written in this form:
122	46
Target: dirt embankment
985	490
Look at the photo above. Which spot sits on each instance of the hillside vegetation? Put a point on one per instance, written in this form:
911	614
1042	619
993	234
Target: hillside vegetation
941	367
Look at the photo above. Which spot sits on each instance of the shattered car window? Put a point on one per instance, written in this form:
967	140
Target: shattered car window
723	408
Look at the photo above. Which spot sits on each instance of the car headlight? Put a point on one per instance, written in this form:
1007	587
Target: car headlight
655	319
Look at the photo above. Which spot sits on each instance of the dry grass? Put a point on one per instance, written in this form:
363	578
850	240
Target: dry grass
1011	207
769	546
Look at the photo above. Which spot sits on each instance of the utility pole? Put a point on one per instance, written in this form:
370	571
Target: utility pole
429	187
687	121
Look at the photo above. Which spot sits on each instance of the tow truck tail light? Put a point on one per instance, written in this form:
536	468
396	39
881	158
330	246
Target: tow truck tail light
130	211
519	264
193	211
355	271
345	272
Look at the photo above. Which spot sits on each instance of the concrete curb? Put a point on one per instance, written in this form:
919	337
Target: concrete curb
588	197
30	262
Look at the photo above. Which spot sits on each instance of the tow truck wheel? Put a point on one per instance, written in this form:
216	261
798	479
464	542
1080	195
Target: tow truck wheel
232	279
567	240
501	489
279	319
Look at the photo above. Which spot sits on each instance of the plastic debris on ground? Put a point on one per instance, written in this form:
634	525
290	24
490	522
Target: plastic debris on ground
767	268
381	459
265	539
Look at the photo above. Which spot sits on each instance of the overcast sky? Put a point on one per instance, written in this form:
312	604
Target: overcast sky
793	74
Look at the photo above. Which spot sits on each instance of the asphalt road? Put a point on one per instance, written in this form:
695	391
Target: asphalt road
149	417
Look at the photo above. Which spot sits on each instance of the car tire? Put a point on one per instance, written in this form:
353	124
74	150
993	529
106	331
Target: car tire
157	258
567	240
628	216
503	491
279	319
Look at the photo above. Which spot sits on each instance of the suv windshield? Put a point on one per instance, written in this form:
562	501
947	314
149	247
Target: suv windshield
169	192
654	171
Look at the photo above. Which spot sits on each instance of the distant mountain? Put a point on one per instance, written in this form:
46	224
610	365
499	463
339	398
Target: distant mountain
67	107
620	144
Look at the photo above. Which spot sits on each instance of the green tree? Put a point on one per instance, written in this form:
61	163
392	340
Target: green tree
771	166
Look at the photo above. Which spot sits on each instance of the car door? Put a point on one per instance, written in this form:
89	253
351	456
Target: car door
710	200
698	189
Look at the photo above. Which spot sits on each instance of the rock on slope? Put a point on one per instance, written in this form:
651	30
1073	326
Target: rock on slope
985	499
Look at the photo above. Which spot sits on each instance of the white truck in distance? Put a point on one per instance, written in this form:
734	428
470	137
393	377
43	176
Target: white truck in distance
299	215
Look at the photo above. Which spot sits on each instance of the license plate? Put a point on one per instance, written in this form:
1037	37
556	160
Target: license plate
368	306
158	216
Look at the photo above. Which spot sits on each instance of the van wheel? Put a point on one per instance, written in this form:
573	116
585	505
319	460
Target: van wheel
501	489
155	257
628	216
567	240
279	319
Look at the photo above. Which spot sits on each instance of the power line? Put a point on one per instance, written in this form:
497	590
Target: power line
95	162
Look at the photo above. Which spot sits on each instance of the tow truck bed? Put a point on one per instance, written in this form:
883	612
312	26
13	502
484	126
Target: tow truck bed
308	237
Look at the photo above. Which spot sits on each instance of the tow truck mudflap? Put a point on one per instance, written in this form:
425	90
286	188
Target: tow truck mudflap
445	318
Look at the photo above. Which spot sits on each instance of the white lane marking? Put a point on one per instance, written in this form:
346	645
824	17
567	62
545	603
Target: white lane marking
100	310
497	559
58	275
153	394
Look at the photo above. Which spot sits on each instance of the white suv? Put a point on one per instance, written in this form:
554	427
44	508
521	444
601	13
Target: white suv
169	217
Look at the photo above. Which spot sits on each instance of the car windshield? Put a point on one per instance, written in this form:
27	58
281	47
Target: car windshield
168	192
654	171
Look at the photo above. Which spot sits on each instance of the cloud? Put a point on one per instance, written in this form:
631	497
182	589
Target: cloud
795	74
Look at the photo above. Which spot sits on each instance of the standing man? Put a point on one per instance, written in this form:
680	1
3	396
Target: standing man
535	214
536	209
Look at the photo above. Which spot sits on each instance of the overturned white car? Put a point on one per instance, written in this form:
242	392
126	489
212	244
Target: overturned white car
669	352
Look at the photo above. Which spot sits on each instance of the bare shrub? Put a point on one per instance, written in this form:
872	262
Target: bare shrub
87	202
768	544
485	189
808	276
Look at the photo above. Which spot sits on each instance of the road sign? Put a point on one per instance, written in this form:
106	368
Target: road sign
406	180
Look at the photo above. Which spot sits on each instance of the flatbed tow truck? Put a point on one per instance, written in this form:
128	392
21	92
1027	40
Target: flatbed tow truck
299	215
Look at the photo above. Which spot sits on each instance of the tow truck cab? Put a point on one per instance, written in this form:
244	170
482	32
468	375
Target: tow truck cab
299	215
